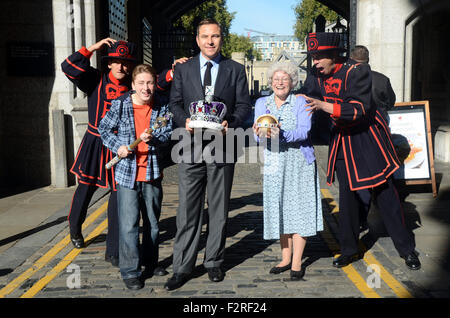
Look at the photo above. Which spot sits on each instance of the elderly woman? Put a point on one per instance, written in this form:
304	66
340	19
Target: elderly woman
291	191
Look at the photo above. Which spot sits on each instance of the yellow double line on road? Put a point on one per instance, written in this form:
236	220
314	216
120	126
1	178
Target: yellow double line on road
350	271
47	257
355	277
62	264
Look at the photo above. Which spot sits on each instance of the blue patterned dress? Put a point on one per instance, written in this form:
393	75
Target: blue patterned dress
291	189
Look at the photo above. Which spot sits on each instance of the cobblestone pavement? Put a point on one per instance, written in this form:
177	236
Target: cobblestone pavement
54	268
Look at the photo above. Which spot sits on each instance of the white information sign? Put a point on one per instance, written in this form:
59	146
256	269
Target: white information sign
409	136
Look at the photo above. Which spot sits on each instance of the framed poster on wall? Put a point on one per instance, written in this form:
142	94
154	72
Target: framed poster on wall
411	135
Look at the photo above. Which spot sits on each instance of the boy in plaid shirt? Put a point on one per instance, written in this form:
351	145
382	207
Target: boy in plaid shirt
138	174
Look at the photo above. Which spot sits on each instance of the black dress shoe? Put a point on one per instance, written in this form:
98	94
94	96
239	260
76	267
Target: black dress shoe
113	260
77	240
134	283
412	261
215	274
176	281
363	226
278	270
345	260
297	275
160	271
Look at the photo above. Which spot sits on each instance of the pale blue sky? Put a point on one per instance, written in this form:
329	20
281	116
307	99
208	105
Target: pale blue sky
269	16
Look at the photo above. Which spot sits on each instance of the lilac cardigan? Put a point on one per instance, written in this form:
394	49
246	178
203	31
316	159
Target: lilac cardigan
300	134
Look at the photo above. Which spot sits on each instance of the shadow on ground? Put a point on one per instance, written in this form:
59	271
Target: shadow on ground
247	246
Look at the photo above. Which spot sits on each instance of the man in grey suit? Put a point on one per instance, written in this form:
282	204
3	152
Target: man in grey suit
228	78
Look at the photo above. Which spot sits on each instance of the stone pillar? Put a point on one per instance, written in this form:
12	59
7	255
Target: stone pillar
59	141
238	57
381	28
442	143
74	27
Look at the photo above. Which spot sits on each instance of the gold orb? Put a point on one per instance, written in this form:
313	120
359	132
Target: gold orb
266	122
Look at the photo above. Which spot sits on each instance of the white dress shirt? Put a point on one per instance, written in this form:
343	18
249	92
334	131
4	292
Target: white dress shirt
214	69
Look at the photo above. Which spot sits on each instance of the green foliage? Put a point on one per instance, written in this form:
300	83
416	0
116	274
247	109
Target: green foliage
217	10
306	12
239	43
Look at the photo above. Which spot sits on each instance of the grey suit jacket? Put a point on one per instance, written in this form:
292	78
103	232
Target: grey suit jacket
231	88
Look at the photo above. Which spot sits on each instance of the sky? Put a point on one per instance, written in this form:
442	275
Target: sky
269	16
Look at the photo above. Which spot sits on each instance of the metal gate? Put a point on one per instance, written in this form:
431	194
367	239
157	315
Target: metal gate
178	41
147	52
118	19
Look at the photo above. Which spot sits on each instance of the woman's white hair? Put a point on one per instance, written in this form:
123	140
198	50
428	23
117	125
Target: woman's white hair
285	66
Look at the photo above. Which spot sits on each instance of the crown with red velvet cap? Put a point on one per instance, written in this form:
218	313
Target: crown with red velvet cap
323	41
123	51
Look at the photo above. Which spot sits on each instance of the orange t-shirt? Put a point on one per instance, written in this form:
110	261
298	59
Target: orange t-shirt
142	115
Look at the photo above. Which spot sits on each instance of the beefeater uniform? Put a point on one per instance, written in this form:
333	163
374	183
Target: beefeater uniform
360	152
89	166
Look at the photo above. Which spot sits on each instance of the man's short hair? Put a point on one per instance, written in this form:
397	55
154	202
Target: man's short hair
360	54
143	68
208	21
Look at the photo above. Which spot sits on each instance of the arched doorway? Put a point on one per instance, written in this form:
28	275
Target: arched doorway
430	71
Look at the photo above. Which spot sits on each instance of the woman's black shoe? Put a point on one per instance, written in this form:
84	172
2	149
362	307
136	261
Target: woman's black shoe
278	270
297	275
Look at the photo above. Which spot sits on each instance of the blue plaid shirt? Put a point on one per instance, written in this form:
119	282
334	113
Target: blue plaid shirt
120	119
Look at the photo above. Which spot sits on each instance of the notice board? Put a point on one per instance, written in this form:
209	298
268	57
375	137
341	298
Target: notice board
411	135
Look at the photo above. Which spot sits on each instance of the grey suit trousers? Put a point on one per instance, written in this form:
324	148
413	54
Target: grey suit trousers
194	180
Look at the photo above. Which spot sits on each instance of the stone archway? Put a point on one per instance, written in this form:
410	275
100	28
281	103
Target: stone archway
430	67
430	71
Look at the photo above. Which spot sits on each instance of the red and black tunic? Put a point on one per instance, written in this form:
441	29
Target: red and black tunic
101	89
359	135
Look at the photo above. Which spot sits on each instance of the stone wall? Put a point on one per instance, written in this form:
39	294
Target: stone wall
33	154
24	112
407	43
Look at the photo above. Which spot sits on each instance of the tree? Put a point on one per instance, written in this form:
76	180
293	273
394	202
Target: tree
213	9
306	12
217	9
240	43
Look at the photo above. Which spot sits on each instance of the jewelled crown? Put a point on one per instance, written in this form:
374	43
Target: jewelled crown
206	114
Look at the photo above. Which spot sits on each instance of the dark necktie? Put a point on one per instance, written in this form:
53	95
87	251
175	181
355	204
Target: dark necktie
207	78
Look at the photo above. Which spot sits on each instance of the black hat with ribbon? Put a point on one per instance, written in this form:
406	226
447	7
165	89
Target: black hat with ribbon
123	51
323	41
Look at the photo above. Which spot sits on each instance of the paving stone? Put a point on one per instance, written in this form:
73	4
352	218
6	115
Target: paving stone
247	286
218	292
184	293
